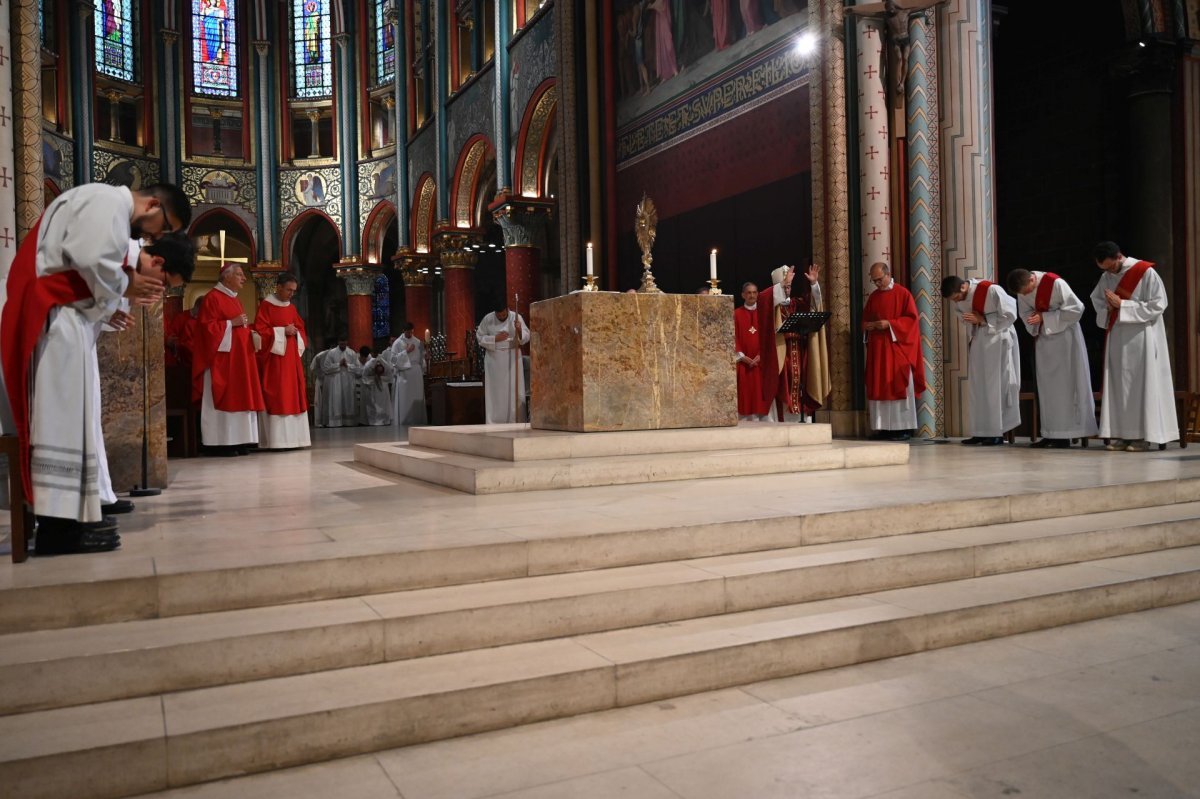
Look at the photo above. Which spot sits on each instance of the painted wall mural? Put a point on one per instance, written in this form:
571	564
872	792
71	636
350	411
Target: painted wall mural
208	186
58	160
121	170
534	58
471	113
422	156
302	189
376	182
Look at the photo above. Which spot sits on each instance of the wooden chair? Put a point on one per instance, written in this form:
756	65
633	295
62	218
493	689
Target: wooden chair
11	448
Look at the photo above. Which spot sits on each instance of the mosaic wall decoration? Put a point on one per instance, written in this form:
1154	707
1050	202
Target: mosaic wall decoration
208	186
58	159
472	112
121	170
534	58
376	182
422	156
302	189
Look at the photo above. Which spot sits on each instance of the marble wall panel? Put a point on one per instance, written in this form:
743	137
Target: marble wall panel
121	392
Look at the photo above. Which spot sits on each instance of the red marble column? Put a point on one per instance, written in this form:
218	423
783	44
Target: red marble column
459	282
521	265
418	293
360	291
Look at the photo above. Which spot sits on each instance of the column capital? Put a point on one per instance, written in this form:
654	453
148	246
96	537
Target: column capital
176	291
522	220
359	276
262	48
415	268
169	36
452	246
265	275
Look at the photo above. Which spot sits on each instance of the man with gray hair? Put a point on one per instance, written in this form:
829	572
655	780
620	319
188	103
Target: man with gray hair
895	369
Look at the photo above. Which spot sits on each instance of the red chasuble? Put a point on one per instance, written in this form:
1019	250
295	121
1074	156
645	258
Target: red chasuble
235	385
26	312
179	353
889	363
283	383
781	381
748	339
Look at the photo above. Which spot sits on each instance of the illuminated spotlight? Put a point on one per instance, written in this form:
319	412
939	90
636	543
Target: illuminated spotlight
806	44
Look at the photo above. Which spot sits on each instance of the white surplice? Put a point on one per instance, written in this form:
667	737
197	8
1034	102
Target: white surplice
374	389
993	365
85	230
503	371
314	371
1139	395
338	387
1066	408
410	381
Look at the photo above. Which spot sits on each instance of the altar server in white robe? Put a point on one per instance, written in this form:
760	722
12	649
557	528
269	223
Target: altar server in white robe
408	356
318	380
1138	406
339	374
1051	312
69	275
994	362
501	334
374	387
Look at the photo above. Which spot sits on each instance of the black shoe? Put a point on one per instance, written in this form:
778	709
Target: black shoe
973	441
1045	443
106	525
880	435
69	537
239	451
900	435
991	442
120	506
1060	443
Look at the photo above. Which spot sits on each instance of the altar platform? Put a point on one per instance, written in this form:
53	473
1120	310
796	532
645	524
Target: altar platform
293	608
497	459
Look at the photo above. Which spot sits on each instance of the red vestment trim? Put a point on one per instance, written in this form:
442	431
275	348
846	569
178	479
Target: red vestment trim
1041	302
979	300
1128	285
30	300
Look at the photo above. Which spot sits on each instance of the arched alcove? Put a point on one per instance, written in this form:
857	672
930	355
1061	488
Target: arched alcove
311	248
239	244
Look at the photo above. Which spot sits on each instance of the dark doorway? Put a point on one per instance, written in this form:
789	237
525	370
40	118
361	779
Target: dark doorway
321	299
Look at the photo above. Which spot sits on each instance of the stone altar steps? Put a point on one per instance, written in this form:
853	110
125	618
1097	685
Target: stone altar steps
192	736
140	658
220	582
491	459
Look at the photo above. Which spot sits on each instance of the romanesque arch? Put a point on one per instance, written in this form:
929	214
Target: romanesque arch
533	141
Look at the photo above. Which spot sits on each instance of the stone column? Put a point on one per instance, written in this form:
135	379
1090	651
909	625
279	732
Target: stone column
524	226
831	213
1190	166
168	99
458	276
80	83
968	210
26	113
347	125
264	130
360	292
924	192
266	276
874	178
418	288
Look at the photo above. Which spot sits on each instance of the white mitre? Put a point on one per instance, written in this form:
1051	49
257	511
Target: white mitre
778	275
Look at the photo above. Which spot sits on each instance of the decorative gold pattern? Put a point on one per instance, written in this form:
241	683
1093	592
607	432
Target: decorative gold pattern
27	113
424	216
466	184
535	136
414	269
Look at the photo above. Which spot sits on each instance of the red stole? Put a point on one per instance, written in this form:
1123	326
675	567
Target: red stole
26	312
979	299
1041	301
1128	285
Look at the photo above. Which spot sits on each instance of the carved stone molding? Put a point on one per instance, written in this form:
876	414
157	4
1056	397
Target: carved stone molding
522	221
415	268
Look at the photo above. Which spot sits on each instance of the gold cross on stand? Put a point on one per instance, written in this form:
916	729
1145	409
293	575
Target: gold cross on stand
221	257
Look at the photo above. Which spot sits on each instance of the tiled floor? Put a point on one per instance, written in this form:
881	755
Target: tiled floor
1109	708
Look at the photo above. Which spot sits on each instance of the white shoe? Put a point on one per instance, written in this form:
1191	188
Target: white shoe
1138	446
1118	445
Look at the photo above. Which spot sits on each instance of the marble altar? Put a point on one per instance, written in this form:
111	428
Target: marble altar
603	361
120	358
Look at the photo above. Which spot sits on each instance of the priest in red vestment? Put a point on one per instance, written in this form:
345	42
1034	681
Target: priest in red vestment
281	341
895	371
224	356
748	338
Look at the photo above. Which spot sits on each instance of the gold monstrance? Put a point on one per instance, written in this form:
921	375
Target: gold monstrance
221	256
646	227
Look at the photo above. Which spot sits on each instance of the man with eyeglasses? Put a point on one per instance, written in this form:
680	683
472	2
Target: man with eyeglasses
71	273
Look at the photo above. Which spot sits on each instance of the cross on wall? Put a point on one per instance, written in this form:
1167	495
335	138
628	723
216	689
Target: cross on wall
7	238
875	233
872	152
873	193
4	115
4	177
872	72
3	57
872	113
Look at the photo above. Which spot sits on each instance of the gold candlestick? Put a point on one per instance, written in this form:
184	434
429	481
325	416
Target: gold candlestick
589	283
714	286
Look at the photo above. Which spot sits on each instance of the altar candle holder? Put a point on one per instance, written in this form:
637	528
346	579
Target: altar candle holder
714	286
590	283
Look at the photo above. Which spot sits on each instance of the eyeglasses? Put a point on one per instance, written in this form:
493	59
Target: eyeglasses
166	221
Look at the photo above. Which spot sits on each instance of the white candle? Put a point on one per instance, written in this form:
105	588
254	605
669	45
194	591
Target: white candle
590	255
712	265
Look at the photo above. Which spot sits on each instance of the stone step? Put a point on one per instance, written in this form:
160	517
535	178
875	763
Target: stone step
37	599
163	655
520	442
473	474
194	736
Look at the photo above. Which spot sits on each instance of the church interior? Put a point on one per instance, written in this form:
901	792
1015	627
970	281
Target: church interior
629	588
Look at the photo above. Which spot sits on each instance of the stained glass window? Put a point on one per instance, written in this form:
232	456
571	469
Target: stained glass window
381	308
312	60
385	44
116	42
214	47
